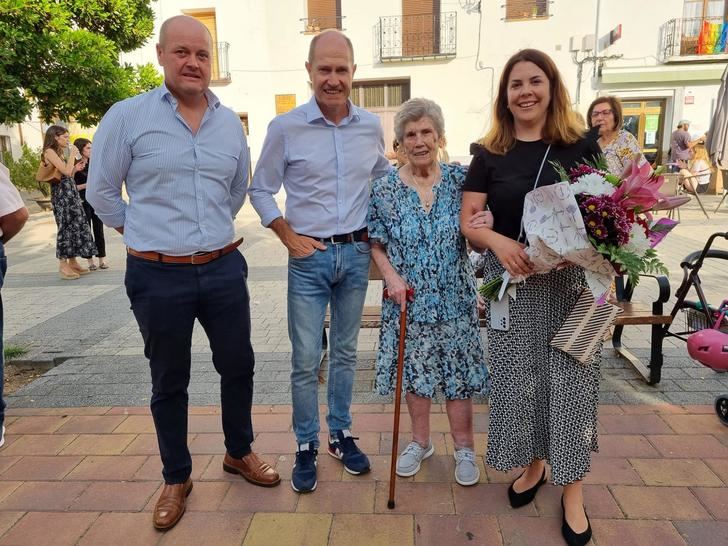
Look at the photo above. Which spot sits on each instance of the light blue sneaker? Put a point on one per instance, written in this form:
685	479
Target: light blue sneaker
409	462
467	471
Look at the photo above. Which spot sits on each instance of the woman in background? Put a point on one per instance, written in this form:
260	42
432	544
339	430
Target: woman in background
74	236
619	146
84	147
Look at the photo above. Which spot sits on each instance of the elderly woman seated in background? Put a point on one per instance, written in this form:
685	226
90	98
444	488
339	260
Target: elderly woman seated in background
619	146
416	243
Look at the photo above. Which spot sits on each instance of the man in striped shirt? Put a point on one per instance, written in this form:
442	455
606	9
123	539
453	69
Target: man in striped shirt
324	153
184	159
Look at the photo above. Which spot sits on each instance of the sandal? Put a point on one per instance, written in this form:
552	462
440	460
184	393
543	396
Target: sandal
104	266
93	267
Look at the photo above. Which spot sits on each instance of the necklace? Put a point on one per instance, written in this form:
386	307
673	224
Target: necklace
426	194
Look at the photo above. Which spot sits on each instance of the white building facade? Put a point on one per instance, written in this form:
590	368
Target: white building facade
664	58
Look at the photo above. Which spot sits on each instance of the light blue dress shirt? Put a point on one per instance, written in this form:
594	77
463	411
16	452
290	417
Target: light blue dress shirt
324	168
184	189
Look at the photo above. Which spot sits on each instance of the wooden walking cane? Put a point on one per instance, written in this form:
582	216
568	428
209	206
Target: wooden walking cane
398	393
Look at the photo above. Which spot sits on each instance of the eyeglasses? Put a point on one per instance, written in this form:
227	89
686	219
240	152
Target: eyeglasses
596	113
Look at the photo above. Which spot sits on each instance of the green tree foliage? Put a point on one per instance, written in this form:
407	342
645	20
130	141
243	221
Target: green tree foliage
62	56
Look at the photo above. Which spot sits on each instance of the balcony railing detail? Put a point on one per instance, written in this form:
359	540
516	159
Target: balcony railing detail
221	63
314	25
412	37
698	36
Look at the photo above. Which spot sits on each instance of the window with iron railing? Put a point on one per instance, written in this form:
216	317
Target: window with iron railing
525	10
702	31
412	37
321	15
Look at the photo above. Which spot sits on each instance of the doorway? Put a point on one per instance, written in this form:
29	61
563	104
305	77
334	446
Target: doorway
645	119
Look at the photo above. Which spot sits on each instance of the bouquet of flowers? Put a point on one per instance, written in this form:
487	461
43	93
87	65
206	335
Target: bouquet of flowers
597	221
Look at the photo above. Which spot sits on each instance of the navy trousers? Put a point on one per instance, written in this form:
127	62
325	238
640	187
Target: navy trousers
166	299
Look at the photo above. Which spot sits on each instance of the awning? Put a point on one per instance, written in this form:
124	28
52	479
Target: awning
679	74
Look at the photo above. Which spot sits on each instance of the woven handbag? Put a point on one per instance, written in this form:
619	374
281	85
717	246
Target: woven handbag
583	329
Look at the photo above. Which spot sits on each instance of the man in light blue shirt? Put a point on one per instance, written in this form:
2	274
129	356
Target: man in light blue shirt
324	153
184	159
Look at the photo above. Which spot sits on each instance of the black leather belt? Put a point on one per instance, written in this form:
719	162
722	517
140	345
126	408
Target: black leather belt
359	236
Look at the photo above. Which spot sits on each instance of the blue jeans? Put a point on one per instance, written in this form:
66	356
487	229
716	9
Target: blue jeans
3	269
337	276
166	299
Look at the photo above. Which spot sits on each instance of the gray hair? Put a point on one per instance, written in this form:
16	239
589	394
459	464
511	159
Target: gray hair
415	110
329	31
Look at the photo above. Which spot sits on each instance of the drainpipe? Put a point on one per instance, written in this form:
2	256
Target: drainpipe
596	40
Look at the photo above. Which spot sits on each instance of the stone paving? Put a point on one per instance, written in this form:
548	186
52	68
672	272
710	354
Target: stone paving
90	476
81	466
87	327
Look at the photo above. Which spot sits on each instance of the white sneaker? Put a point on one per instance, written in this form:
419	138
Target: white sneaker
409	462
467	471
2	437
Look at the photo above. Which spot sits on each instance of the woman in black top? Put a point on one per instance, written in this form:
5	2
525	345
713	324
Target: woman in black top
543	405
81	177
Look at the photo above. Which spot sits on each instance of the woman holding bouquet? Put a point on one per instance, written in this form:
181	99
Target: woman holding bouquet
414	228
543	404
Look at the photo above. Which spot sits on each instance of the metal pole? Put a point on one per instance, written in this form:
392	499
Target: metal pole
596	39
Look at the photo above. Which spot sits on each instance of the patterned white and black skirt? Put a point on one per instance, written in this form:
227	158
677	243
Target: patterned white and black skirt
74	234
543	402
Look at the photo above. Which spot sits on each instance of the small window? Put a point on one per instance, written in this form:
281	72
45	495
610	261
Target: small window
524	10
380	94
322	14
208	18
244	122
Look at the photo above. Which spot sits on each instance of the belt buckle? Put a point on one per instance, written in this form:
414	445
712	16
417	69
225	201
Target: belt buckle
197	255
331	240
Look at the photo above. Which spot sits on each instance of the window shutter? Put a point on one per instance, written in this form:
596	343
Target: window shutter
324	14
526	9
207	18
420	27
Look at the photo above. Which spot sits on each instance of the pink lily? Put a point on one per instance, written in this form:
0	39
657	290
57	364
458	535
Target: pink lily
639	190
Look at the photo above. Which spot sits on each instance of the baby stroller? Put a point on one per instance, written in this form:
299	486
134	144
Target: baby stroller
706	326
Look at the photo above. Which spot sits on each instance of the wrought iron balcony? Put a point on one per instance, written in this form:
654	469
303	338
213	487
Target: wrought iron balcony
415	37
220	63
314	25
699	38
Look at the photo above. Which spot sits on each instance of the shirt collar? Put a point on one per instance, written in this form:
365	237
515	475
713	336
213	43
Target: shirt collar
313	112
212	101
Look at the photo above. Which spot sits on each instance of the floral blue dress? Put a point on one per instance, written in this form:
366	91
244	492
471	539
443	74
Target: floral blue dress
443	344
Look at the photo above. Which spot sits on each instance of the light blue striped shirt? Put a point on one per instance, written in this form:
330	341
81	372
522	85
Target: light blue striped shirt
324	168
184	189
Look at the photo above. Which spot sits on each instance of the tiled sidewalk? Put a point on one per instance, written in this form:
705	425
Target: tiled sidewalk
91	476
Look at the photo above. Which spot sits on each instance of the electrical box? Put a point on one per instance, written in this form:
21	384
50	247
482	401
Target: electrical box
575	43
589	42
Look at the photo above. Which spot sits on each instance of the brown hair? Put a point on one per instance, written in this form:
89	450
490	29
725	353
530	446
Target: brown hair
614	103
49	142
562	126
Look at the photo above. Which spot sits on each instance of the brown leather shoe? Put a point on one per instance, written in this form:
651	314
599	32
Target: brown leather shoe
252	468
171	504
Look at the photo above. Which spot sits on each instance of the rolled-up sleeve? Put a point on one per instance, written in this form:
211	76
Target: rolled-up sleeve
107	171
239	186
269	173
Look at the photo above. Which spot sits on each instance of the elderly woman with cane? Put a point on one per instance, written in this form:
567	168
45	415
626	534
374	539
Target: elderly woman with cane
414	229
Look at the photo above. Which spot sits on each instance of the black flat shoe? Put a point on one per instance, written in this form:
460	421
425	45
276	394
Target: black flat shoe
522	499
572	538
